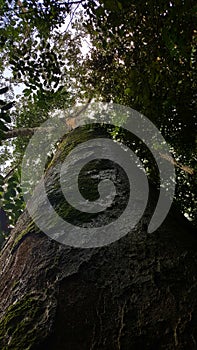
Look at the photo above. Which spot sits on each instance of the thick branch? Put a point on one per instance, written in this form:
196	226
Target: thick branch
19	132
71	122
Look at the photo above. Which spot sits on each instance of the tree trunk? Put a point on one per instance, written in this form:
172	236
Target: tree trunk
136	293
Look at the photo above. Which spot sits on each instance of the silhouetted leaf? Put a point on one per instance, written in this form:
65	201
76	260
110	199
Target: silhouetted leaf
4	90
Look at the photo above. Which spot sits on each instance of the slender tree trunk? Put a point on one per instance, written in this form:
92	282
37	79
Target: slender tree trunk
136	293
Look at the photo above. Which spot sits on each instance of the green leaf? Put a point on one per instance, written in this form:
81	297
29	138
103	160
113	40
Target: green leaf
27	92
1	179
119	5
12	192
10	206
128	91
7	197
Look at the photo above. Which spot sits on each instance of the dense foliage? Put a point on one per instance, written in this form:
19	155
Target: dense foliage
144	56
141	54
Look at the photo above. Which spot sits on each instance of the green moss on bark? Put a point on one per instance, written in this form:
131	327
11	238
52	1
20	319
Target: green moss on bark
74	138
31	228
90	189
16	330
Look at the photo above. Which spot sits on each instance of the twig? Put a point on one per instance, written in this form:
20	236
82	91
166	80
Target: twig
185	168
71	18
72	120
10	173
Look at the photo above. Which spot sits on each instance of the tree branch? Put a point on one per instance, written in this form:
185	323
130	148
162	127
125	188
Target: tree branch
10	173
185	168
19	132
70	122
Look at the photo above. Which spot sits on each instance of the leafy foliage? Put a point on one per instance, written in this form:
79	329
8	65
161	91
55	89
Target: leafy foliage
144	56
5	119
40	58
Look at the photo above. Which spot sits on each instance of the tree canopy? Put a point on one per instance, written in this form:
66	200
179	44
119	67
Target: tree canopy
140	53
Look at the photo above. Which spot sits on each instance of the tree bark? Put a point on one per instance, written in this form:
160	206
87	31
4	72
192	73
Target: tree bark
136	293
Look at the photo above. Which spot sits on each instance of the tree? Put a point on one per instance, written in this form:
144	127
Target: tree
136	293
139	291
134	62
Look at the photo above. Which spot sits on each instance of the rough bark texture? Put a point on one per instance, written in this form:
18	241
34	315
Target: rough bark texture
137	293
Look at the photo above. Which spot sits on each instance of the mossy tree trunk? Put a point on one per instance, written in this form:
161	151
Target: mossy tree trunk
136	293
